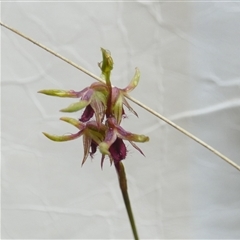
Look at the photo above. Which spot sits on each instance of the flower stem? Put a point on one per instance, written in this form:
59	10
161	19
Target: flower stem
123	186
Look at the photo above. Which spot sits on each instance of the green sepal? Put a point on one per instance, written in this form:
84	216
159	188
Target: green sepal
59	93
74	107
74	122
136	138
62	138
134	82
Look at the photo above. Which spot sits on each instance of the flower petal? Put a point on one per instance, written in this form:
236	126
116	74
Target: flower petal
100	87
59	93
135	146
118	109
96	136
134	81
63	138
117	103
130	136
129	107
102	160
98	104
110	138
75	106
86	145
95	132
74	122
134	137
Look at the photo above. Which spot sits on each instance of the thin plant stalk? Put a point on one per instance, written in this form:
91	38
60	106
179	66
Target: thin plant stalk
123	186
226	159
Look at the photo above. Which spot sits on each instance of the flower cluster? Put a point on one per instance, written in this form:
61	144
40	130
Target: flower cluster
106	103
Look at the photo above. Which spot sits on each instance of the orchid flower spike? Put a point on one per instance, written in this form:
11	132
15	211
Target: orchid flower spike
113	144
104	102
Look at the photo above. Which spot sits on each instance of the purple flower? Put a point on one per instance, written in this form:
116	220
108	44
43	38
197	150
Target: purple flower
113	144
119	97
94	98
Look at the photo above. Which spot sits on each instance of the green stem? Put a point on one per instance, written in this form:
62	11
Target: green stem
123	186
109	102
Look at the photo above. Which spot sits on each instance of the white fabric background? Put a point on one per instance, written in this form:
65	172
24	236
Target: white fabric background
189	58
